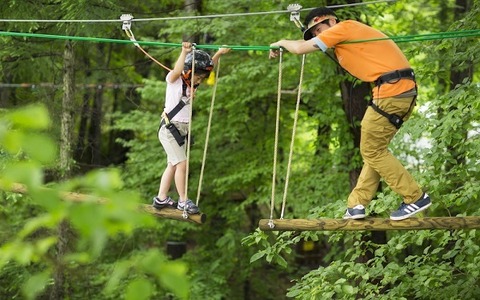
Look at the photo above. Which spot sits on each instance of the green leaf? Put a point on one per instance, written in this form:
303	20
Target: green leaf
30	117
281	261
25	172
39	147
173	275
139	289
348	289
35	284
257	256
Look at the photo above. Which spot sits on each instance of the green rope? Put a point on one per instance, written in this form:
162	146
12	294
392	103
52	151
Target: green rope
422	37
397	39
105	40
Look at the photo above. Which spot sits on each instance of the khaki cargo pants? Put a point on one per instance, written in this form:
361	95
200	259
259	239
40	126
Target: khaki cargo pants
377	132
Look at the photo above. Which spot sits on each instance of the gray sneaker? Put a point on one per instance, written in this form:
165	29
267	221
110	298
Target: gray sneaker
188	206
167	202
357	212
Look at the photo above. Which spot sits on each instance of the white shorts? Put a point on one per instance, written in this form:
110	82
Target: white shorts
175	152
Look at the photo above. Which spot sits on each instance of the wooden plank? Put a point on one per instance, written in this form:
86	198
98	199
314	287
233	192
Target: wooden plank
168	213
174	214
372	224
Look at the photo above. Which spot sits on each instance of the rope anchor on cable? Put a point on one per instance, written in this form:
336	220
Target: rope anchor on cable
127	21
294	10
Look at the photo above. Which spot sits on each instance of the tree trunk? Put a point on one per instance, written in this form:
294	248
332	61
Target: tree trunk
355	105
192	6
65	165
68	102
95	132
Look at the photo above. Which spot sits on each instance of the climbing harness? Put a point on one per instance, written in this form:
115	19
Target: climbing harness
166	117
392	78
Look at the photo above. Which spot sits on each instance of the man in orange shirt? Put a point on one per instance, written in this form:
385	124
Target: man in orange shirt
382	63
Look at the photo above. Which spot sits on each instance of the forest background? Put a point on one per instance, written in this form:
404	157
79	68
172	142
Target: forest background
83	115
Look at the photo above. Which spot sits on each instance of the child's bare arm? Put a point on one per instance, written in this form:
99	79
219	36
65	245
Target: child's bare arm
178	69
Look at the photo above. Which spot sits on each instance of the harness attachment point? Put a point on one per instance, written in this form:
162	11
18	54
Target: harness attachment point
127	21
294	10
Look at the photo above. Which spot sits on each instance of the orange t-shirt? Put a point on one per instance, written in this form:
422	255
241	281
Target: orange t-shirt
367	60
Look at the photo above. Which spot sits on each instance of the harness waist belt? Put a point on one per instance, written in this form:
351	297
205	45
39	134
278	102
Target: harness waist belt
395	76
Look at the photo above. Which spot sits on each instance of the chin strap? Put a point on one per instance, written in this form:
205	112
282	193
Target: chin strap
127	27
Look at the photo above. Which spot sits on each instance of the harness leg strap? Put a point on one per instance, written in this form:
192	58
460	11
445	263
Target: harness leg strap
396	121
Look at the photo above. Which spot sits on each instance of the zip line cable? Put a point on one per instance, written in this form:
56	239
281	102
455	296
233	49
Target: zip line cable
190	17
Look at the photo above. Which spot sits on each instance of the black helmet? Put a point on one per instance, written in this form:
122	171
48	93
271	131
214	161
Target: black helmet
203	62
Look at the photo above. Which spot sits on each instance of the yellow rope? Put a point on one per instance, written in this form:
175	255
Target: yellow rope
277	126
295	118
192	92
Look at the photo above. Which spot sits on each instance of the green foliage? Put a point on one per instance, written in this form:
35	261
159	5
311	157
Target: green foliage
32	246
117	252
392	275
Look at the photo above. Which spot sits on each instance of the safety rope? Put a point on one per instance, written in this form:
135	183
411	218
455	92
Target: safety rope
132	38
295	119
207	136
275	147
189	134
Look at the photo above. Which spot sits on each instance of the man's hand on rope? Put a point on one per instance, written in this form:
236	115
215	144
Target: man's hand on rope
274	52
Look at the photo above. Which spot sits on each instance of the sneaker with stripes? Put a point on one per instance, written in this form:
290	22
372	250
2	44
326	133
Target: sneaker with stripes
357	212
167	202
407	210
188	206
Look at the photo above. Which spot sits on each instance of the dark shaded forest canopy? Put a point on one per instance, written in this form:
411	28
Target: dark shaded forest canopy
82	116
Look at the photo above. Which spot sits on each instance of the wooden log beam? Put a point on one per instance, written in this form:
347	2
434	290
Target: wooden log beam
174	214
168	213
372	224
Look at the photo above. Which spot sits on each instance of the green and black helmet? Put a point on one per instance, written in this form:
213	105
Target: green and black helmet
203	62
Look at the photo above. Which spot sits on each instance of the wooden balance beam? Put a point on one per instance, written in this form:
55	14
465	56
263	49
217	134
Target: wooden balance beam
168	213
372	224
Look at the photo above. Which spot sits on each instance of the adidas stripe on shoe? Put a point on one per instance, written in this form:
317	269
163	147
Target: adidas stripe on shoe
407	210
